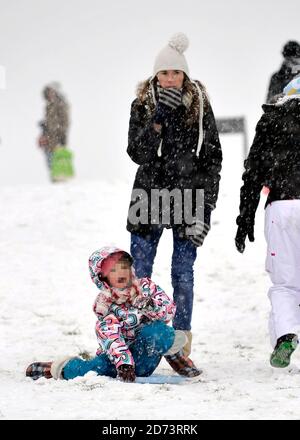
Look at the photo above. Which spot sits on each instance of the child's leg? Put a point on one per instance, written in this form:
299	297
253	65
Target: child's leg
143	251
282	263
153	341
79	367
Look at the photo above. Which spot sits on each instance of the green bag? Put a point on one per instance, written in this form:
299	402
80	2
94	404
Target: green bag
62	164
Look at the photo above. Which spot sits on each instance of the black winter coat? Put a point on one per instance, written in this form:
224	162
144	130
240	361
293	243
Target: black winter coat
178	166
274	158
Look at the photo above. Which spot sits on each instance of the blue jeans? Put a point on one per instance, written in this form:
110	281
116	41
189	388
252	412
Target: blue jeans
151	343
184	255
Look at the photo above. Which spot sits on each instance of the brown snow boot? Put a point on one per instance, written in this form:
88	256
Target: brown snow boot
38	370
183	365
48	370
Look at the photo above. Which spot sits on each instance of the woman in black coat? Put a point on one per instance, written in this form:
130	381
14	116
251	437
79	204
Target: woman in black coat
174	140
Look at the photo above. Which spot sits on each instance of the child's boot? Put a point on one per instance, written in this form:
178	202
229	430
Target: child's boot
283	350
38	370
49	370
183	365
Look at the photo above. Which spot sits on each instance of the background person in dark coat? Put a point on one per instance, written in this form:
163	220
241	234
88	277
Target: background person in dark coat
274	161
174	140
288	70
55	125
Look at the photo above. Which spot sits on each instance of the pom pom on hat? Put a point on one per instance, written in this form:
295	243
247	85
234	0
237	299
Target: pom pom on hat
171	57
179	42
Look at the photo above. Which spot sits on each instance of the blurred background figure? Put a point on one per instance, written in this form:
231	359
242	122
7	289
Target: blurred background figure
288	70
55	126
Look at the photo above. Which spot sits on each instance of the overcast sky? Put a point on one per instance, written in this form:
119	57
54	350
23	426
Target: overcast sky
99	50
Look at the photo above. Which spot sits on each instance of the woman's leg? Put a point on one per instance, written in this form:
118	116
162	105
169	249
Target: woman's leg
183	258
143	251
152	342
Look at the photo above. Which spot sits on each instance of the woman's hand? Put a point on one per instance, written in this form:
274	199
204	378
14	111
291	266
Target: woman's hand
170	97
168	100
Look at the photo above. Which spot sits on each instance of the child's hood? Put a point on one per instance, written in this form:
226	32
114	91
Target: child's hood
96	261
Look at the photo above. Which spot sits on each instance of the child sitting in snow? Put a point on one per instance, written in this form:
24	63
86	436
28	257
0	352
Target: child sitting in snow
131	328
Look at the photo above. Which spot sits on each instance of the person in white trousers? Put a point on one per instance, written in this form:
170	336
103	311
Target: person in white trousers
274	161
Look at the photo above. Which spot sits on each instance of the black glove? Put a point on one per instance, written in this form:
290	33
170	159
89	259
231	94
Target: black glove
201	228
245	228
126	373
168	100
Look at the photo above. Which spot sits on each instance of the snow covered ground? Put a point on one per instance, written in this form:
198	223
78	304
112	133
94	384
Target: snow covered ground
47	233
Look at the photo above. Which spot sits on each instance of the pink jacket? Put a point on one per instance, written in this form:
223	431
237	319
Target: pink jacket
121	312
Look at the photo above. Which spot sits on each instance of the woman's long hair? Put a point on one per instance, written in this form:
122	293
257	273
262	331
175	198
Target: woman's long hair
190	97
